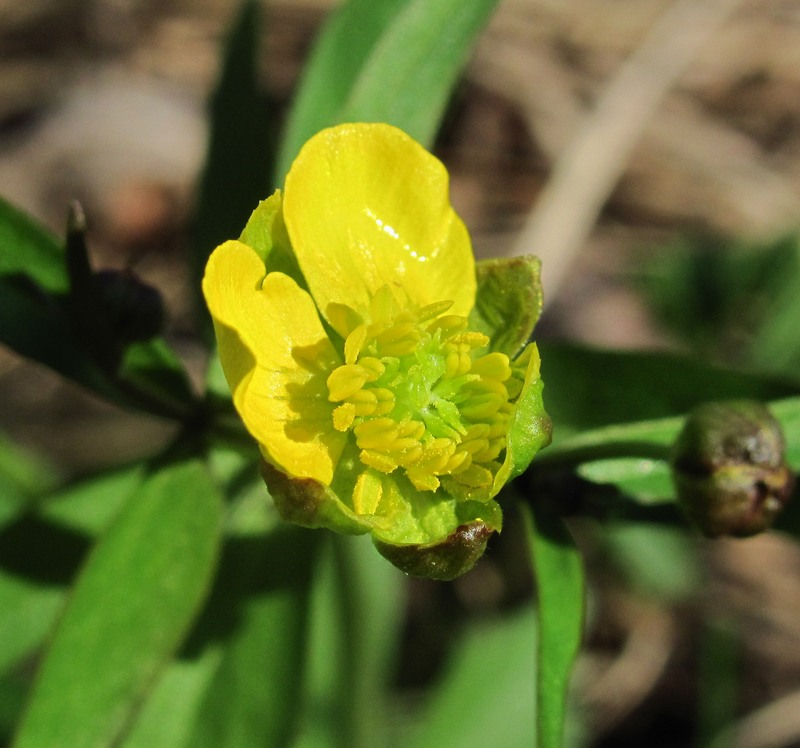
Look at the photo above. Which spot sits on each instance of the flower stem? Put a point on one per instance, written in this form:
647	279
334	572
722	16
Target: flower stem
572	456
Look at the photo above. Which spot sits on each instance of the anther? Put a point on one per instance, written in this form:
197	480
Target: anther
493	366
345	381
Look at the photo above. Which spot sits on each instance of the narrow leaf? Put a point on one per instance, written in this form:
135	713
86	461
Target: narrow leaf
412	70
260	608
395	61
487	689
33	584
130	608
169	715
355	628
588	388
558	571
27	248
240	154
341	51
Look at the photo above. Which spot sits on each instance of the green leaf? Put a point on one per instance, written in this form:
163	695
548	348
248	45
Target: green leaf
260	608
90	505
24	477
509	301
28	611
37	321
153	378
558	571
394	61
240	153
27	249
33	583
356	622
169	715
131	606
487	689
35	325
589	388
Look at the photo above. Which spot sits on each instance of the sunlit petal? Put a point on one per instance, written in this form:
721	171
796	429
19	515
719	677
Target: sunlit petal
366	206
276	358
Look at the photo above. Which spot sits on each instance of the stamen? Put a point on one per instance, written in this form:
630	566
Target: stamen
415	399
354	343
346	381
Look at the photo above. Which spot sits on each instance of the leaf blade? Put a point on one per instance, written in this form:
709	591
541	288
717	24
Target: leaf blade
558	570
396	61
115	635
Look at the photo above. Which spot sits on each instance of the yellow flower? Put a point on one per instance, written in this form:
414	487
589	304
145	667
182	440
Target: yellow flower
344	318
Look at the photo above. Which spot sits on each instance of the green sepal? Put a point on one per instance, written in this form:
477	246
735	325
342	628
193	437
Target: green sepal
443	560
508	302
428	527
309	503
266	233
529	427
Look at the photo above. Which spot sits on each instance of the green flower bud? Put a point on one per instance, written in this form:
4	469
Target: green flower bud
729	468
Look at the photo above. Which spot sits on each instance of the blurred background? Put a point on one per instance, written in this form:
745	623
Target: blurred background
105	101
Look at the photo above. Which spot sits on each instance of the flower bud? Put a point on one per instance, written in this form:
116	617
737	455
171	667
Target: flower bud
729	468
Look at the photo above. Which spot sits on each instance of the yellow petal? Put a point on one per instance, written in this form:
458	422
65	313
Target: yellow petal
366	206
276	358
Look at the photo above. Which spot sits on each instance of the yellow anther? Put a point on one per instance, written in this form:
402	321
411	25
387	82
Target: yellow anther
471	339
452	364
475	476
343	416
491	450
433	310
410	456
458	462
475	446
477	431
493	366
364	402
485	386
436	454
402	445
377	460
449	324
376	434
422	480
367	493
345	381
384	401
373	368
398	340
498	426
354	343
481	407
413	429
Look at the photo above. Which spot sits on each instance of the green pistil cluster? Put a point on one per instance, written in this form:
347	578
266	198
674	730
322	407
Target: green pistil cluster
417	396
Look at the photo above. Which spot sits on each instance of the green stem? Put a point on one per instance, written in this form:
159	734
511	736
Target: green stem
572	456
352	725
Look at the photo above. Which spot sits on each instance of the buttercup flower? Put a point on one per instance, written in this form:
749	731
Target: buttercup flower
391	389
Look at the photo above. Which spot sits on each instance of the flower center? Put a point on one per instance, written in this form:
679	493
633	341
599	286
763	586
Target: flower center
418	397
